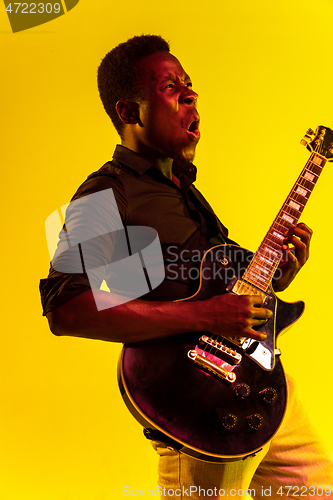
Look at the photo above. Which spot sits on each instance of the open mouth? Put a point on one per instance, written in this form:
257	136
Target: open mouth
194	128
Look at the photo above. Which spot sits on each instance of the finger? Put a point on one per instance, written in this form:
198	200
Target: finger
290	256
256	322
261	313
255	300
299	244
305	228
302	231
300	237
253	334
301	250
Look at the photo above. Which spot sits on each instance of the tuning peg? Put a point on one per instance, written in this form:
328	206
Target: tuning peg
307	137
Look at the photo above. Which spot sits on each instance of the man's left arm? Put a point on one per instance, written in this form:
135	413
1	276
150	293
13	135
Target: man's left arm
295	256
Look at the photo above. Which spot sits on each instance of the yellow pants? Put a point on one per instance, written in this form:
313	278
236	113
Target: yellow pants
295	464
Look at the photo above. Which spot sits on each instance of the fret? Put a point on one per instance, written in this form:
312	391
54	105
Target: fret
319	160
261	285
282	224
270	262
264	263
279	237
268	256
274	238
310	177
302	191
305	184
285	218
288	219
295	206
260	269
258	264
270	251
314	168
256	274
272	243
259	272
267	261
256	280
293	211
253	277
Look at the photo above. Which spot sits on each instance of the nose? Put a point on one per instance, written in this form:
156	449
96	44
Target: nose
188	96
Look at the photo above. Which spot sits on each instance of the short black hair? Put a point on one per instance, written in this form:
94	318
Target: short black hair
118	77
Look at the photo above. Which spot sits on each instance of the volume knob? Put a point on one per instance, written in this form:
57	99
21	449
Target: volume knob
255	421
268	395
229	421
242	391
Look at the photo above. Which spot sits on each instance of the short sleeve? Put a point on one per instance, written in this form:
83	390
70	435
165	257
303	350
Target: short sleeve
93	230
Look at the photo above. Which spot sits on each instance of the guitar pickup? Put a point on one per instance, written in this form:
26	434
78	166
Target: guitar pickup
220	350
221	372
242	287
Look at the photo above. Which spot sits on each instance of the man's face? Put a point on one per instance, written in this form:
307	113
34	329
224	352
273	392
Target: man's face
169	119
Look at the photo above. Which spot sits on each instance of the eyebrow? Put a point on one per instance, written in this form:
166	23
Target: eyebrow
171	76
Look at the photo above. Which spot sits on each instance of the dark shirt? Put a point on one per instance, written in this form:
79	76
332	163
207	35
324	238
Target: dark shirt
185	223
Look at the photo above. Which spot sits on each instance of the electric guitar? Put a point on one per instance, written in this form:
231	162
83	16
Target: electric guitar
214	398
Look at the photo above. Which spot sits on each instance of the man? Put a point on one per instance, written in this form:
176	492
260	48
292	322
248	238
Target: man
150	99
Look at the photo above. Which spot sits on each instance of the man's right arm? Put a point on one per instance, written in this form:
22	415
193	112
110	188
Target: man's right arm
228	315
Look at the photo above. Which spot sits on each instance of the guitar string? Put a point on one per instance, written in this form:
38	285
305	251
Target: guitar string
282	223
279	224
300	181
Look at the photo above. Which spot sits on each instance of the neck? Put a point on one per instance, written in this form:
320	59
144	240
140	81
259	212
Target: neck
164	164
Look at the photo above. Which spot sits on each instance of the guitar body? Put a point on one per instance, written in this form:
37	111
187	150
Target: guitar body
208	417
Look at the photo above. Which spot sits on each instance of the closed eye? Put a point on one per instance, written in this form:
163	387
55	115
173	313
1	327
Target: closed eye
172	85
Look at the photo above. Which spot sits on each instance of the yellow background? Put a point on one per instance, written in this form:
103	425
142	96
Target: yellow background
263	70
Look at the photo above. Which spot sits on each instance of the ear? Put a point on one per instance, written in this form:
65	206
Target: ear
128	111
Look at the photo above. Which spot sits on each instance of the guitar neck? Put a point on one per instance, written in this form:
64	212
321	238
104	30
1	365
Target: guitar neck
269	254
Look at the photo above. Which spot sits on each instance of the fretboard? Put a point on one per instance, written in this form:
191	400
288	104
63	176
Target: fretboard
269	254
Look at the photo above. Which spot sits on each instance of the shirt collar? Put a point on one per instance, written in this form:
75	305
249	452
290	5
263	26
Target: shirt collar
141	165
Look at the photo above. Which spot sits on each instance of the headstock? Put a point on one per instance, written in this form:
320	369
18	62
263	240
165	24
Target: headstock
320	141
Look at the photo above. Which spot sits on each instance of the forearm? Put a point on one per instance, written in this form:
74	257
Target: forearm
227	314
132	321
